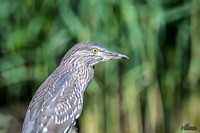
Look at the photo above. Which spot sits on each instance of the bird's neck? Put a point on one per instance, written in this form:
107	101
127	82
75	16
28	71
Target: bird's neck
82	73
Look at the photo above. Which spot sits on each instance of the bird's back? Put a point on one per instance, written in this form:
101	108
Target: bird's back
56	104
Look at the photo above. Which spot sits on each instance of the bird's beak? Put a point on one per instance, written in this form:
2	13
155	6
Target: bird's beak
107	55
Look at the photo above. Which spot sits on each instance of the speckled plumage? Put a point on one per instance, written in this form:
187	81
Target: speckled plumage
58	102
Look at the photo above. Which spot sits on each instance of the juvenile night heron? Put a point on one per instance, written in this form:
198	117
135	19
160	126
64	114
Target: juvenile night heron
59	100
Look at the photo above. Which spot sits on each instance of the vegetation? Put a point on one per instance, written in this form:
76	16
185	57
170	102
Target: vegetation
157	90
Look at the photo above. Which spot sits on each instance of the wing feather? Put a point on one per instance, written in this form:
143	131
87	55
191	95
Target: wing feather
56	104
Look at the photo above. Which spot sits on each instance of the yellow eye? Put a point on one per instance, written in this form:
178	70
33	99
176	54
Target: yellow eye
95	51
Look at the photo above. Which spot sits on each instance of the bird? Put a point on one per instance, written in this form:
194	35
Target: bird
58	102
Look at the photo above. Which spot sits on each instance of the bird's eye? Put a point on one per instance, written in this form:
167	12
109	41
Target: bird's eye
95	51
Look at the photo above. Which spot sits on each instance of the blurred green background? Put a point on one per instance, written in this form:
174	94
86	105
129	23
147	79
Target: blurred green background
156	91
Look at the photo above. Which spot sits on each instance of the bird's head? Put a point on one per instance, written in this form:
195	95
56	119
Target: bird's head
90	53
